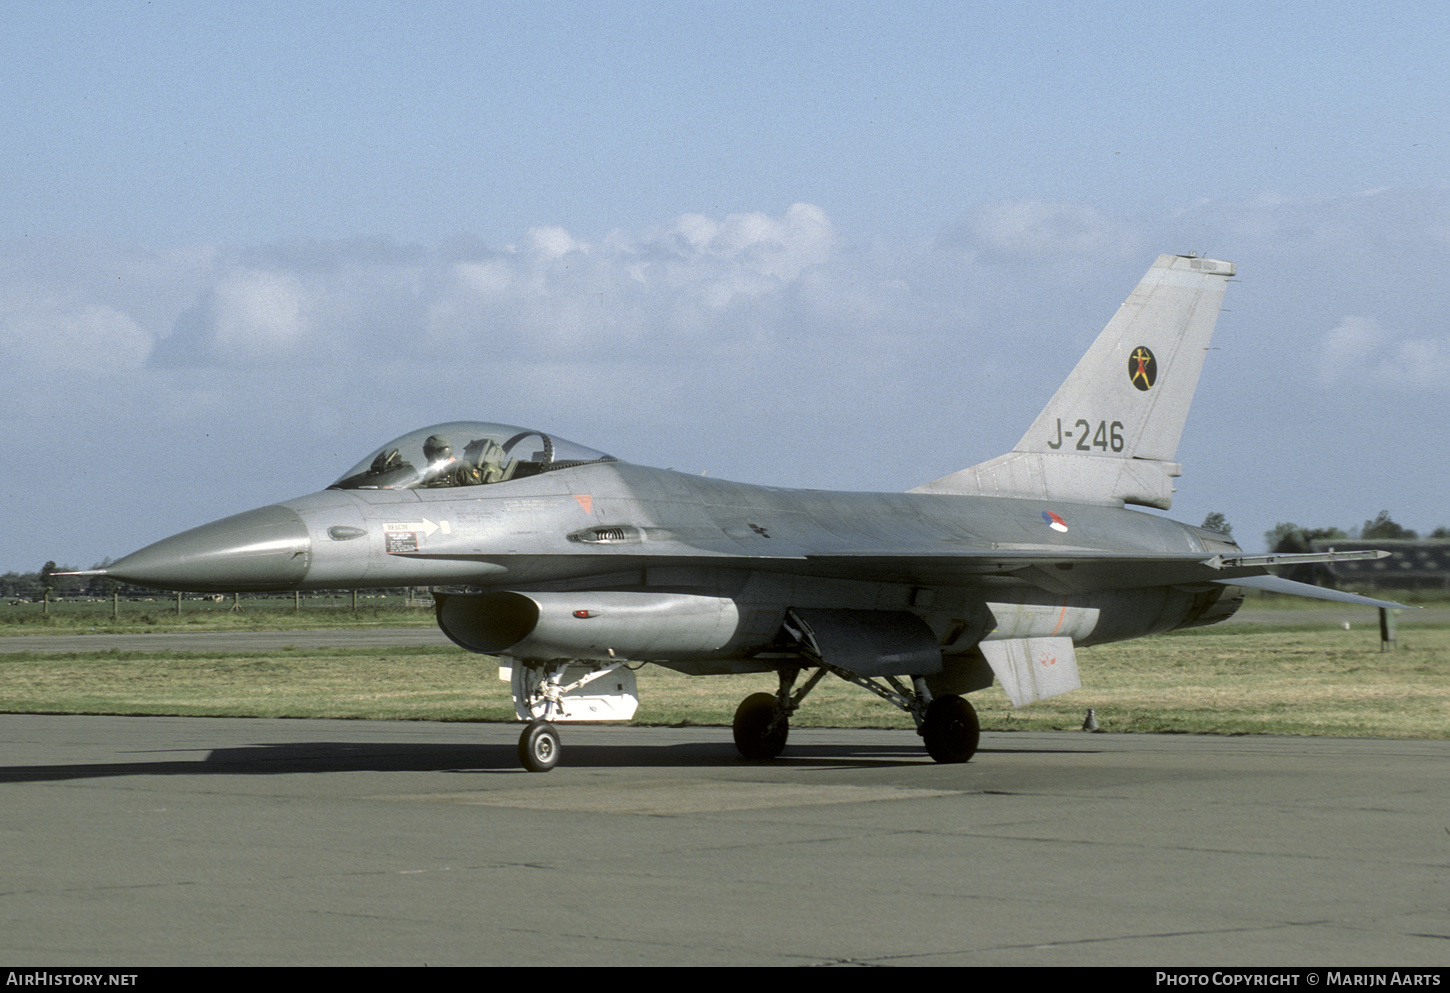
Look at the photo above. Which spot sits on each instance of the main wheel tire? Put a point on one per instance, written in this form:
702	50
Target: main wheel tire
539	747
752	718
951	731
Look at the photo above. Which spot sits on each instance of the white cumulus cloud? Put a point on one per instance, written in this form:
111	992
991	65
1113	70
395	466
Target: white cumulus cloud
1349	347
1038	229
49	336
1357	349
258	315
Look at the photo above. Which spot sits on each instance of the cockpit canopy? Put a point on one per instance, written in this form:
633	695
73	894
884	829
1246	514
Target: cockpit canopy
464	453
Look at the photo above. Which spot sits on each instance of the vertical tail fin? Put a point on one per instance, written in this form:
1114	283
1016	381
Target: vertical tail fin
1110	432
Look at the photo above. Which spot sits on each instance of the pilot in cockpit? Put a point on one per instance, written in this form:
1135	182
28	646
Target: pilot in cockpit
443	469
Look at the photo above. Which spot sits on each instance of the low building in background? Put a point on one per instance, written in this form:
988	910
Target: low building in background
1414	564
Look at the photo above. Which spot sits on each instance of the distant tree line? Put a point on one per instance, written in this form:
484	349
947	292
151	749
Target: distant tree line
1290	537
36	585
43	582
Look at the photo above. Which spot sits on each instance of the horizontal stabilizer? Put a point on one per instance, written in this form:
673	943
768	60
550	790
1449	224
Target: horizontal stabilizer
1274	584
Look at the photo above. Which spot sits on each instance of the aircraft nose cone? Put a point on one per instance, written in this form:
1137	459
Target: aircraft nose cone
263	549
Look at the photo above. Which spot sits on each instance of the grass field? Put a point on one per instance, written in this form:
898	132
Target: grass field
1237	680
159	614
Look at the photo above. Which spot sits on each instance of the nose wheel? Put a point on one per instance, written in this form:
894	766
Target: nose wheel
539	747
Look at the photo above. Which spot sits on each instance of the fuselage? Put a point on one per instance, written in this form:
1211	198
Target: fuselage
572	565
615	527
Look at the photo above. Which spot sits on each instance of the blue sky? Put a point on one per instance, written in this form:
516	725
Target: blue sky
844	245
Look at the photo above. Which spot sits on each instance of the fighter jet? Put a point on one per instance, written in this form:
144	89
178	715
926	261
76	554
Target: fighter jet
573	566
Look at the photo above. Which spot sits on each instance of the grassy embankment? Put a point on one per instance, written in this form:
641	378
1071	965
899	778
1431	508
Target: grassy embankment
1244	679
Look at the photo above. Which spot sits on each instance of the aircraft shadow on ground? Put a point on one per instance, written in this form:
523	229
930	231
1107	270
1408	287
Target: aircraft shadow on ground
290	758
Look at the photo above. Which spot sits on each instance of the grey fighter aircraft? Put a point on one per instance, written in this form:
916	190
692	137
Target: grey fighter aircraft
572	565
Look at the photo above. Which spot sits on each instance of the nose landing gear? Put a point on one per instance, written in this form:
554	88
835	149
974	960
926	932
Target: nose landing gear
539	747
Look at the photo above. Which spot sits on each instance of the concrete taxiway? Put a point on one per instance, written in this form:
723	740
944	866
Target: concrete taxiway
232	841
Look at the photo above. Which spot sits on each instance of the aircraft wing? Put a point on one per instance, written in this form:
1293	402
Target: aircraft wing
1063	570
1056	569
1088	570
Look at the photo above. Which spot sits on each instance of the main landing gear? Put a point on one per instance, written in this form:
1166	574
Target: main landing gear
950	729
570	692
760	732
947	724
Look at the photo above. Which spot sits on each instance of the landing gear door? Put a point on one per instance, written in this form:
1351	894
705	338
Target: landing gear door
572	691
